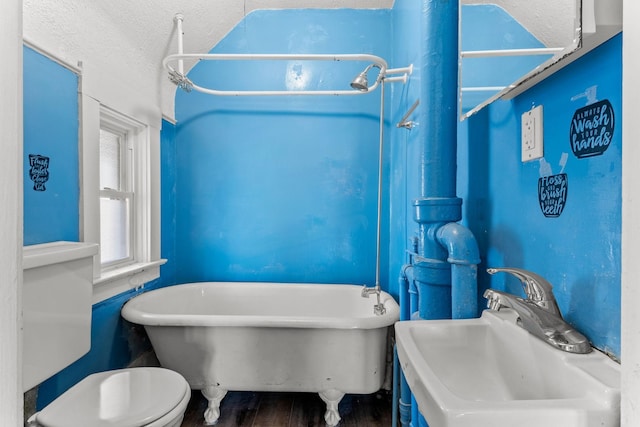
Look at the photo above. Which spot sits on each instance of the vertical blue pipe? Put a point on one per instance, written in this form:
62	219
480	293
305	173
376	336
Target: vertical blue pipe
404	295
464	295
394	387
438	204
440	91
446	251
413	299
408	305
404	401
411	408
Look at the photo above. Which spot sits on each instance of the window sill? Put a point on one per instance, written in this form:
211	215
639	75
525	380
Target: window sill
123	279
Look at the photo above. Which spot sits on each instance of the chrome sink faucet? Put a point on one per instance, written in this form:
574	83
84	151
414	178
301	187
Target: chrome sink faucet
538	313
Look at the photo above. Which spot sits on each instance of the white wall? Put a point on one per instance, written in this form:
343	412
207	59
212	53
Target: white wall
10	211
630	217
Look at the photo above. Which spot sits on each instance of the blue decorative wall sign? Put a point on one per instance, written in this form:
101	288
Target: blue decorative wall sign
552	194
39	172
592	129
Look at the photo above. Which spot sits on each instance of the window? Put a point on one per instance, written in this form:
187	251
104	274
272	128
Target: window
120	198
116	196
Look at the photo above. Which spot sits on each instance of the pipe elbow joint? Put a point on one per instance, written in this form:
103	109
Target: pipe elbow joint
461	244
404	272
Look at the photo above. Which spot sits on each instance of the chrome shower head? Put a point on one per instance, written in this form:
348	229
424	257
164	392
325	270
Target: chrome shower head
361	82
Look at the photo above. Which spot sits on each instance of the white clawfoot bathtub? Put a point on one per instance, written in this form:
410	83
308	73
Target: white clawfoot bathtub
268	337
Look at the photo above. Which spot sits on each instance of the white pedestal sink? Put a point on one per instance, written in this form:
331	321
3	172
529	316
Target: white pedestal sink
489	372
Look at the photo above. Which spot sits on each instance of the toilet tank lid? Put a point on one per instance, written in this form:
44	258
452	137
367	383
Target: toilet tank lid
56	252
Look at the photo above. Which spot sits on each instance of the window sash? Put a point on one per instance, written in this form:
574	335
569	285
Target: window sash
117	229
118	221
112	172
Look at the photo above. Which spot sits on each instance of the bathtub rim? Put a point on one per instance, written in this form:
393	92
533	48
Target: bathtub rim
134	313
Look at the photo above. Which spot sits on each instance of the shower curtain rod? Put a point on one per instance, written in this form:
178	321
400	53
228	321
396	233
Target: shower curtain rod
179	78
185	83
510	52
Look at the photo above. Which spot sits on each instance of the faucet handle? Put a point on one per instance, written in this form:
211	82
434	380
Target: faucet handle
536	287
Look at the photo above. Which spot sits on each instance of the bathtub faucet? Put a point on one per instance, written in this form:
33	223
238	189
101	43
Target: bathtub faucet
378	309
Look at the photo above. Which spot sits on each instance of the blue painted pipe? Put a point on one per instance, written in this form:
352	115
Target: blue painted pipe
406	306
415	414
404	295
440	91
411	408
413	300
447	252
396	380
464	256
432	271
438	205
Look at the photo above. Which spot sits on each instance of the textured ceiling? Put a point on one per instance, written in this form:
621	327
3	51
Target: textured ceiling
122	42
206	22
553	22
150	22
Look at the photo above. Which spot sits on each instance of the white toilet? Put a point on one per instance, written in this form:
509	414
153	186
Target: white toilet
57	295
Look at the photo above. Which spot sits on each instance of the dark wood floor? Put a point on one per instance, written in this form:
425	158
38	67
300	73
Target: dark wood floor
252	409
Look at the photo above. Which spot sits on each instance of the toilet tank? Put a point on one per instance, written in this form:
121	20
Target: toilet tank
56	307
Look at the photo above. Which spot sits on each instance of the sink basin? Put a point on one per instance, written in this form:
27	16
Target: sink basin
490	372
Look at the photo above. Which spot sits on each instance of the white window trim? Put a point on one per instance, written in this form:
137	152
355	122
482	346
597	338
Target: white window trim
112	282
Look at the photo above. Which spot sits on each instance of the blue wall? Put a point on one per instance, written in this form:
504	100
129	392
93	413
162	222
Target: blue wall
579	250
51	189
282	188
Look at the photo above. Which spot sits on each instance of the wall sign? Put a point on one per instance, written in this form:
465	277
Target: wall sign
39	172
552	194
591	129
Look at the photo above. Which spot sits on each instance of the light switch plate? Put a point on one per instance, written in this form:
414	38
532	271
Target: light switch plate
532	132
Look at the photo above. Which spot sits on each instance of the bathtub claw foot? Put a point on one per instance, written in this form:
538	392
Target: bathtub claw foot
214	395
332	399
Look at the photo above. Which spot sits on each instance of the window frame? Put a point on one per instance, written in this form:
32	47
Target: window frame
110	280
129	133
